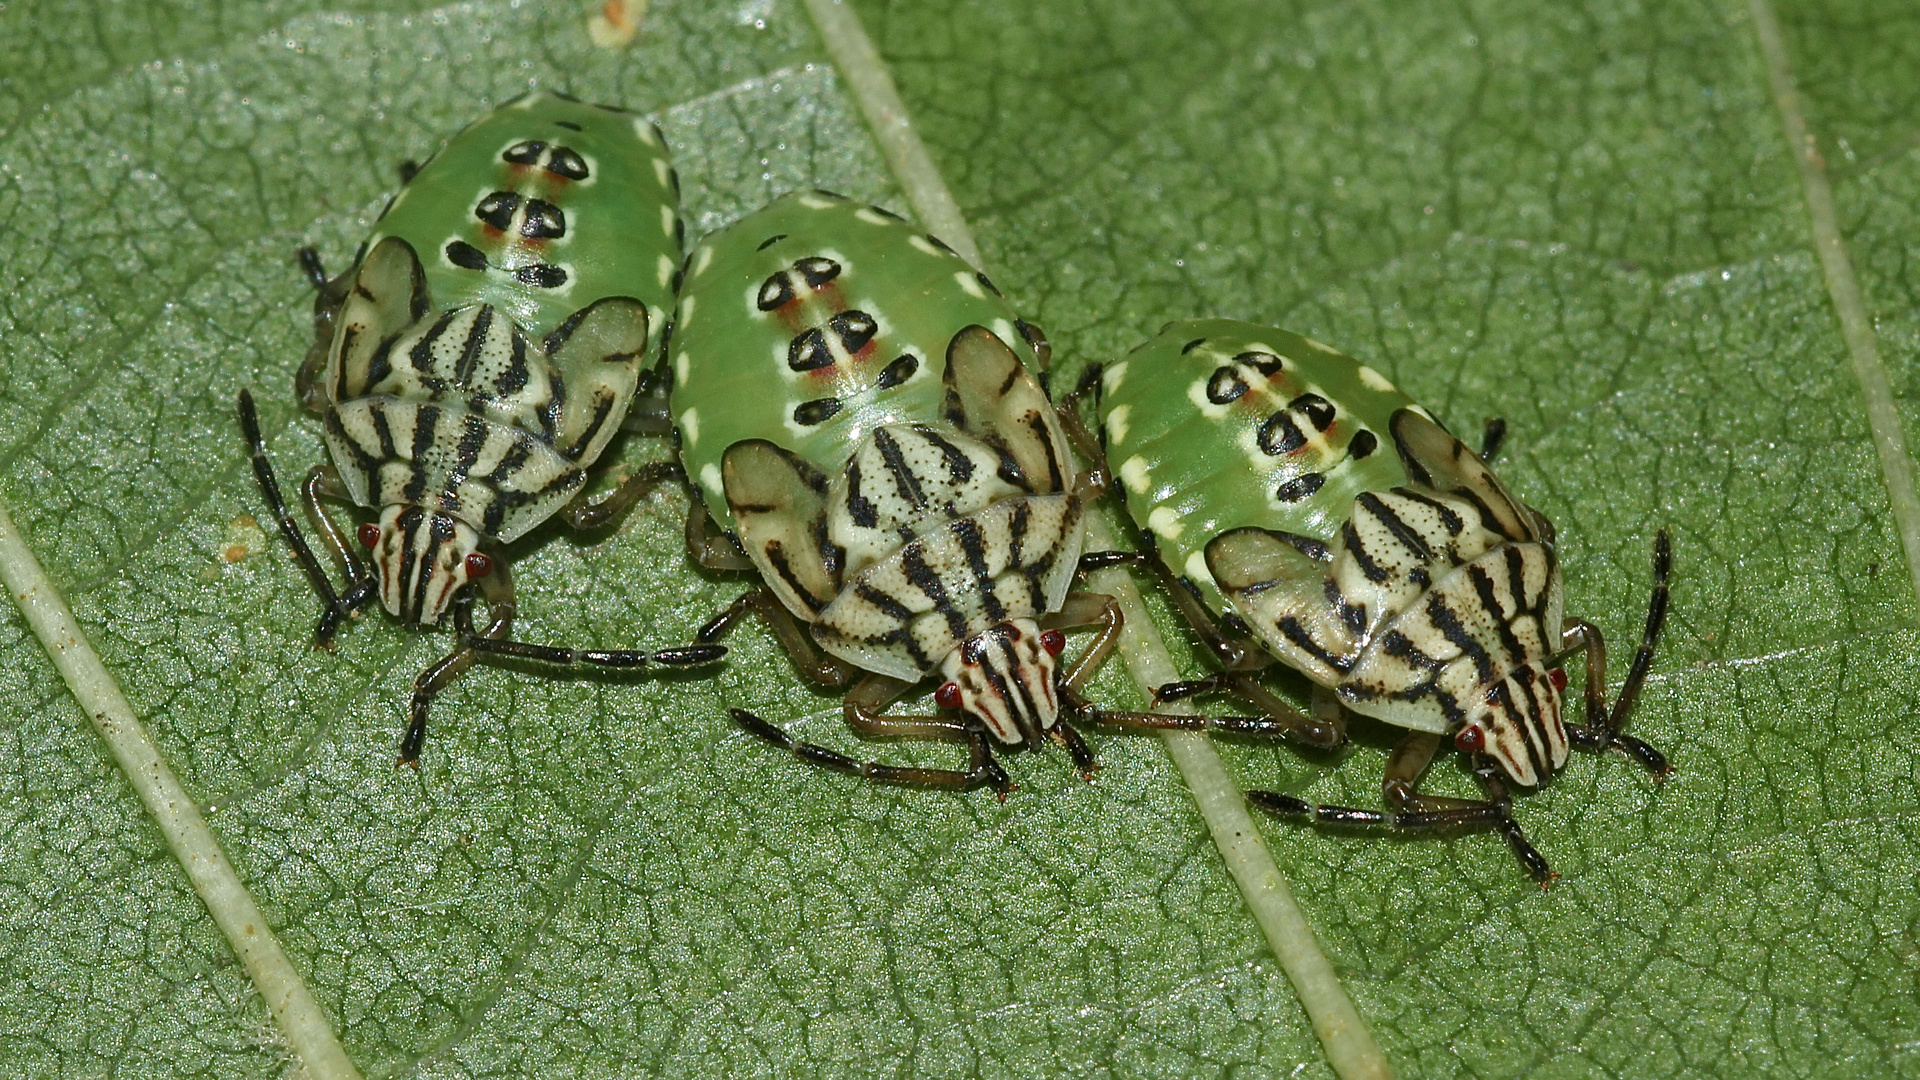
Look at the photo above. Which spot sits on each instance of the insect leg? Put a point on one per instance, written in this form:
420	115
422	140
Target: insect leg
863	714
1421	814
707	546
290	529
816	665
1606	727
583	514
498	590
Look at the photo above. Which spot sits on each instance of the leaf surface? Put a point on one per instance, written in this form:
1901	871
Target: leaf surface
1583	219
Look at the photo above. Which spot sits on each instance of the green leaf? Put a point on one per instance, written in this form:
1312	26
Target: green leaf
1584	219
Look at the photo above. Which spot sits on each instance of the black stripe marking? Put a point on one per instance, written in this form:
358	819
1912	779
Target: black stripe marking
425	420
959	465
777	558
1502	619
967	530
1350	539
1408	536
914	563
1449	519
1291	629
421	355
602	409
1447	621
904	482
476	343
859	507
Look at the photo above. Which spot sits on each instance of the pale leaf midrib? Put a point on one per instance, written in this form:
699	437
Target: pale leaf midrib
1843	287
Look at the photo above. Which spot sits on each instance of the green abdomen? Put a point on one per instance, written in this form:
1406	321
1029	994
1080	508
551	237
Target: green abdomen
1217	424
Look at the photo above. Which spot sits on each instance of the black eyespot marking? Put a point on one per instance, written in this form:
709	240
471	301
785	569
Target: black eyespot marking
1226	385
1264	362
808	351
830	194
770	241
1300	487
679	231
497	209
817	270
856	329
817	411
568	124
1318	410
1280	435
544	221
465	255
673	175
1192	345
899	371
988	284
1364	442
526	152
884	212
941	244
564	162
776	291
541	276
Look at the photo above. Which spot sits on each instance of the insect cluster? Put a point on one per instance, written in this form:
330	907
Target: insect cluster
862	430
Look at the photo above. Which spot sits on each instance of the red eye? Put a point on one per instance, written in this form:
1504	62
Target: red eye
948	696
479	565
1558	677
1053	641
369	535
1471	739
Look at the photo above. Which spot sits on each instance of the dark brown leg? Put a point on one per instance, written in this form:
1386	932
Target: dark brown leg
359	585
1605	727
816	665
584	515
1492	438
497	589
709	547
1421	814
863	711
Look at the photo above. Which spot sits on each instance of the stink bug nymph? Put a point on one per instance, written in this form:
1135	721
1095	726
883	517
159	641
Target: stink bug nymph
856	410
474	361
1299	507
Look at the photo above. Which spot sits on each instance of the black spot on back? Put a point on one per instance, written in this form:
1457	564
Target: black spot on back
770	241
856	329
775	292
808	351
1318	410
541	276
1300	487
526	152
1280	435
817	270
817	411
465	255
1192	345
941	244
1364	442
564	162
899	371
568	124
1225	386
544	221
1264	362
497	209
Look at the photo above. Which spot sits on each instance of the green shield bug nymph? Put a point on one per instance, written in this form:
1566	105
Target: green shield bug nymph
477	357
856	411
1292	495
